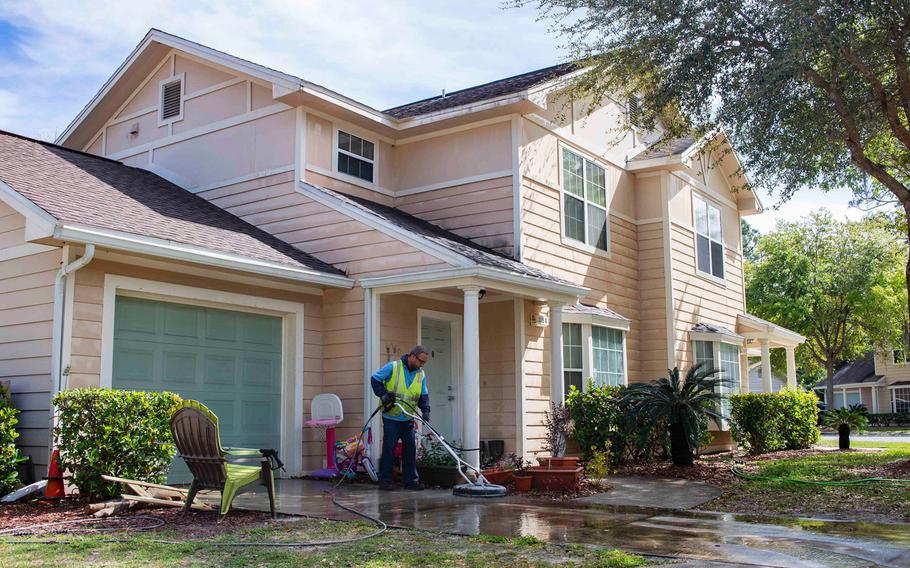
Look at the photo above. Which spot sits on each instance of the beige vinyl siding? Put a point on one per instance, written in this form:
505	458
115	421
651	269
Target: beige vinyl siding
893	372
480	211
653	295
26	331
85	358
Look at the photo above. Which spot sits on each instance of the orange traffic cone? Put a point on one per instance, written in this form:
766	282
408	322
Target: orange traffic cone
54	489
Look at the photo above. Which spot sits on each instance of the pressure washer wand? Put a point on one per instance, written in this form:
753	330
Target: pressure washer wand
448	448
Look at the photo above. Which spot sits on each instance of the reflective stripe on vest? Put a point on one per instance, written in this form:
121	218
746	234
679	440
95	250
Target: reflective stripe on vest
398	385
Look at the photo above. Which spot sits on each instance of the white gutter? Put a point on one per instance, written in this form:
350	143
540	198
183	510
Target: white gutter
179	251
57	331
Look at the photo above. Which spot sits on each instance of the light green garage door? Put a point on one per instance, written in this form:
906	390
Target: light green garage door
230	361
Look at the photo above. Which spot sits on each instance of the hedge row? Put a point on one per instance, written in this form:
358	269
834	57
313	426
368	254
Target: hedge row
114	432
890	419
769	422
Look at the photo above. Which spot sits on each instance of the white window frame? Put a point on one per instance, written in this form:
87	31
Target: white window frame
181	77
374	184
894	396
724	389
723	247
608	194
587	342
581	369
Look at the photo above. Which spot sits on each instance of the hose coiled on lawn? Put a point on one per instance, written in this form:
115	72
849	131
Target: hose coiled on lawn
743	475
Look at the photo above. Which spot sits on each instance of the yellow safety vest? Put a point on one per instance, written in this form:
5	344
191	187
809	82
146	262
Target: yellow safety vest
409	394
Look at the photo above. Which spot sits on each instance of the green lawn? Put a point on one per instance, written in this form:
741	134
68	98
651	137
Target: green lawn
396	548
874	501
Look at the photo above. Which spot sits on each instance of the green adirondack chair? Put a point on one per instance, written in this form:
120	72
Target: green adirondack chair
195	431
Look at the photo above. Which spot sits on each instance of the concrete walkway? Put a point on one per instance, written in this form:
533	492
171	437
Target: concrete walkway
655	492
696	536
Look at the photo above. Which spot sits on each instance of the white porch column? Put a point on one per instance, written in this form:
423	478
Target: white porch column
471	366
557	388
767	385
791	367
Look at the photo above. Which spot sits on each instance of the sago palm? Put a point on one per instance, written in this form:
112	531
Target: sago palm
684	405
845	419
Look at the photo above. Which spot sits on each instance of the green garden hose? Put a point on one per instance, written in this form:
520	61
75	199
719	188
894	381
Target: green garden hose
743	475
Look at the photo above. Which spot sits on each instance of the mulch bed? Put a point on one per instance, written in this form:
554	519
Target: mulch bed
585	488
195	524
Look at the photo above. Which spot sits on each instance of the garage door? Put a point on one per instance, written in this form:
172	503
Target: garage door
230	361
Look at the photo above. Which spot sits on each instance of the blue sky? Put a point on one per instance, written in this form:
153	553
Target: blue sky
55	55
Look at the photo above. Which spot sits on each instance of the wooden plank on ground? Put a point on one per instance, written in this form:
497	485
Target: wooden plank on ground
202	506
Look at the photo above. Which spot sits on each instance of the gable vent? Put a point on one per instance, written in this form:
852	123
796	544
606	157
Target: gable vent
170	100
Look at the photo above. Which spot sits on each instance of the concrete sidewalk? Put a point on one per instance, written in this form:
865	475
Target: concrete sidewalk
697	536
654	492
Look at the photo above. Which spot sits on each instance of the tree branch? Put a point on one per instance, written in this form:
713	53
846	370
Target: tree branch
900	65
885	99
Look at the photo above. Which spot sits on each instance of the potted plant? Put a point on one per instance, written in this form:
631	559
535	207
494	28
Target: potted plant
499	471
845	419
436	467
521	479
558	422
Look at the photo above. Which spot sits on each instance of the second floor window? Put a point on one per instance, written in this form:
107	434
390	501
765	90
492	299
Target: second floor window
585	201
355	156
709	242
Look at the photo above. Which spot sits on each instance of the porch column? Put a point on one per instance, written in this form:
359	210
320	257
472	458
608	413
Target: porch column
791	367
557	388
767	385
471	366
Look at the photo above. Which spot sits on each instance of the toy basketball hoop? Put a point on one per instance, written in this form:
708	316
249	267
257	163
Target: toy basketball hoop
326	412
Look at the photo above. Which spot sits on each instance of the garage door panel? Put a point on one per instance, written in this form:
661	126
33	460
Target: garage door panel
179	368
136	319
221	326
134	365
258	418
262	330
181	322
262	371
220	370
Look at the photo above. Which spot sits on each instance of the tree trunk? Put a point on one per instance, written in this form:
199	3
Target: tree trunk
829	384
843	437
679	445
907	280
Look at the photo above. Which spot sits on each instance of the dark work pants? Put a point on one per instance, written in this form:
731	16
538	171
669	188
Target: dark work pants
392	431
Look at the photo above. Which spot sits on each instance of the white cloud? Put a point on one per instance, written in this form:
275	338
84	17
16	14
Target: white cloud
801	205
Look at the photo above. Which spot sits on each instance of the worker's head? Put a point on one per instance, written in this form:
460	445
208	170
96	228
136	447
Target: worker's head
418	357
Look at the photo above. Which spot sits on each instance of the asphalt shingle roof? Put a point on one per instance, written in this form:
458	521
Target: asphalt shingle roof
859	371
481	92
592	310
478	253
81	188
712	328
665	149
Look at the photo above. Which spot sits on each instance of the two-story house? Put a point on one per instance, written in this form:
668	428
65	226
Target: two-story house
879	380
245	237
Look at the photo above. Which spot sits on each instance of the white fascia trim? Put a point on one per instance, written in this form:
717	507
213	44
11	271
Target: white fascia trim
470	108
370	220
768	328
347	103
598	320
475	272
179	251
38	222
731	338
665	162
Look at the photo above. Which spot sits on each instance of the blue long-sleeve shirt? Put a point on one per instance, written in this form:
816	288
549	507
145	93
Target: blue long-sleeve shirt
380	377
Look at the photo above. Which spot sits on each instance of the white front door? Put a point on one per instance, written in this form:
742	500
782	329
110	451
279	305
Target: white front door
440	334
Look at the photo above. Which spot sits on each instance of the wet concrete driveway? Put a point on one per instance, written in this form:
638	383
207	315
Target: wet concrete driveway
722	537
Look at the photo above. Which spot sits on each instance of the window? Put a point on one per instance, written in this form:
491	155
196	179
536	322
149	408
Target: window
585	201
846	399
355	156
726	362
572	362
592	351
900	357
709	241
609	365
171	100
900	399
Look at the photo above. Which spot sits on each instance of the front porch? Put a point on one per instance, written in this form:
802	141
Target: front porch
760	337
486	374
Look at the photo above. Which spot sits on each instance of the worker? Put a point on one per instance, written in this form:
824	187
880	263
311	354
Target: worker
404	381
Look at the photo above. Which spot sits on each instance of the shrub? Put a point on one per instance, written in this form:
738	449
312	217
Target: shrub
599	463
9	454
769	422
114	432
596	414
890	419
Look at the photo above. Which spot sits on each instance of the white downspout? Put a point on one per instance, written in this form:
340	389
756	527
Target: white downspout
59	302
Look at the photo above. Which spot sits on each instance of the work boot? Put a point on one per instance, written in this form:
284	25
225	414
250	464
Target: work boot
414	486
386	486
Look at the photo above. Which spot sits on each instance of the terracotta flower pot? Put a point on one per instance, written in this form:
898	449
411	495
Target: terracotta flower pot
555	478
522	482
560	462
498	476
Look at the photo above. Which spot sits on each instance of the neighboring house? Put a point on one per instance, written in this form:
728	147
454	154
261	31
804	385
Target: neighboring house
878	381
251	239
